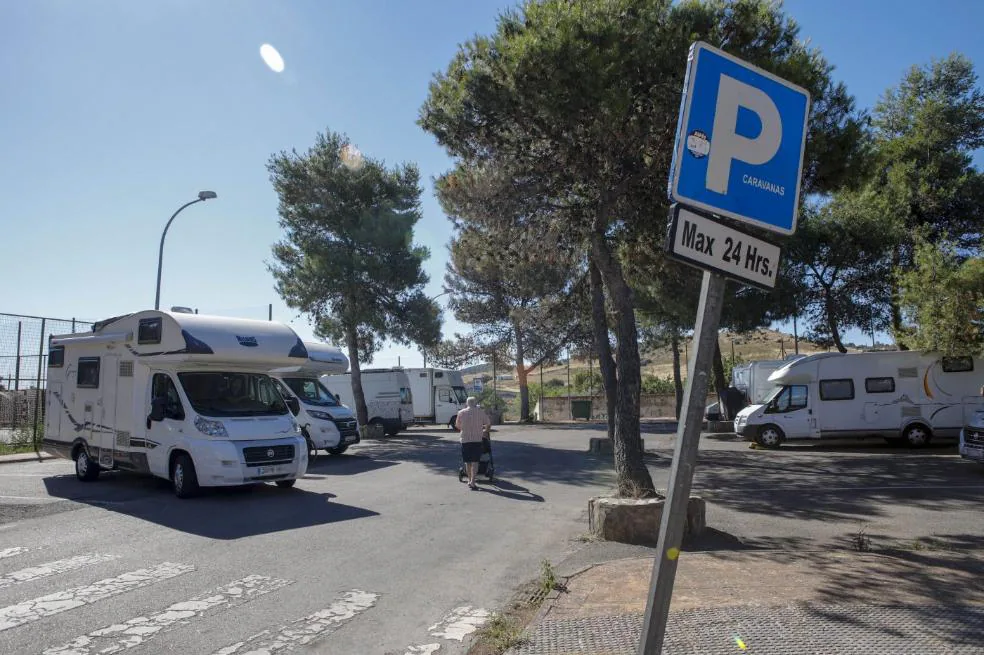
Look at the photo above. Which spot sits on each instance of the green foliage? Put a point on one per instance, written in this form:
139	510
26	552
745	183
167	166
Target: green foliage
943	296
658	385
730	363
585	381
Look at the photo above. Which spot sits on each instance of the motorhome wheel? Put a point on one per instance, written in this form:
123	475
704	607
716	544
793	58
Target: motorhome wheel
286	484
770	436
338	450
916	435
85	469
183	477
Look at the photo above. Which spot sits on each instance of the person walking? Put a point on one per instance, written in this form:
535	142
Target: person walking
472	422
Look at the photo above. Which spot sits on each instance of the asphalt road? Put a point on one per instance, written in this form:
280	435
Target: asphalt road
384	551
379	551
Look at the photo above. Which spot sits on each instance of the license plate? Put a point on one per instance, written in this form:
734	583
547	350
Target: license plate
974	452
351	439
268	470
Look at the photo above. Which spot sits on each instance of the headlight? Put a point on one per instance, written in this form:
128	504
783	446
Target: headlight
211	428
324	416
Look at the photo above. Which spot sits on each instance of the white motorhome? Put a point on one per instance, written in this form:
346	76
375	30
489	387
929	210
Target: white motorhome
325	423
901	396
389	401
752	379
971	444
438	395
184	397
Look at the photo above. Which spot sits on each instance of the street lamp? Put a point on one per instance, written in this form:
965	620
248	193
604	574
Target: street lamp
202	197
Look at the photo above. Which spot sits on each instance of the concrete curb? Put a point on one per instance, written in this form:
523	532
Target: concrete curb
25	457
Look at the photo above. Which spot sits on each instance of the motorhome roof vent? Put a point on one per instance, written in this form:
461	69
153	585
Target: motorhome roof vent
909	372
183	310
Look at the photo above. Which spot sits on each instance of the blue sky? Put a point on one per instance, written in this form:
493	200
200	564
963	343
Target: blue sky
117	112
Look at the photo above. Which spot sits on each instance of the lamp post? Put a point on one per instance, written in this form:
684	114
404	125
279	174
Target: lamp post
202	197
424	352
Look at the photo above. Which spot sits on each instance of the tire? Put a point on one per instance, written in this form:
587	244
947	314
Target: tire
286	484
338	450
85	469
917	435
453	423
393	432
184	479
770	436
490	473
461	475
378	423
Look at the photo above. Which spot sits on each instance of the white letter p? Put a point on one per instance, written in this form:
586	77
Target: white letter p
727	145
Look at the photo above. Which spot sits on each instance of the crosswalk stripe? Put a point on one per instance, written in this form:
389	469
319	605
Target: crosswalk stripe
62	601
426	649
53	568
459	623
306	630
138	631
12	552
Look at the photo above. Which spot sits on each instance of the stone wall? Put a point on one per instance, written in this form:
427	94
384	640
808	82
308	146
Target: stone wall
557	408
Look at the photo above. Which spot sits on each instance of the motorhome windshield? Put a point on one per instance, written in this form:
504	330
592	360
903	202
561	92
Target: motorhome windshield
772	395
232	394
311	392
460	395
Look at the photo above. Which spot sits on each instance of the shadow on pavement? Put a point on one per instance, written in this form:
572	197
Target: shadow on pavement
221	513
351	464
507	489
519	460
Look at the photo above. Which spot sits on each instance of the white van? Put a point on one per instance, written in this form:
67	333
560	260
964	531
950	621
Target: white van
438	395
326	424
389	402
184	397
901	396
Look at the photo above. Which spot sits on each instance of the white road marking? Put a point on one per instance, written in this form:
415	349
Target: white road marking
53	568
62	601
426	649
11	552
306	630
459	623
138	631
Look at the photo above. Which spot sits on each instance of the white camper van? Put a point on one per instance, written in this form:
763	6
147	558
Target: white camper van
325	423
902	396
971	444
387	392
183	397
438	395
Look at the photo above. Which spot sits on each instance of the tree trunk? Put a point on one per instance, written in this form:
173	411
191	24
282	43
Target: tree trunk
677	378
360	397
895	305
524	387
606	363
832	322
720	384
630	468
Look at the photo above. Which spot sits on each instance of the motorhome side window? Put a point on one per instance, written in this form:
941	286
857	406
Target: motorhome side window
88	375
405	396
791	398
149	331
163	387
879	385
444	395
958	364
837	389
56	357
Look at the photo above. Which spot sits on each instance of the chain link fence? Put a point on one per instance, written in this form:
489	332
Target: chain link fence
23	374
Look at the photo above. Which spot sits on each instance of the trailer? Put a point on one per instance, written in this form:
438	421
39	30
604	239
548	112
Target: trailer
184	397
325	423
387	393
901	396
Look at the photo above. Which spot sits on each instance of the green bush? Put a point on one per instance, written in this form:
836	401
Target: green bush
653	384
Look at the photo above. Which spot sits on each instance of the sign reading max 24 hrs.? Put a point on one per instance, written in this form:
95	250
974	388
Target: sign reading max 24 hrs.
740	141
708	244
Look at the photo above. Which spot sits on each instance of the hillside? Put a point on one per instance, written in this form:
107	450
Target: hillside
750	346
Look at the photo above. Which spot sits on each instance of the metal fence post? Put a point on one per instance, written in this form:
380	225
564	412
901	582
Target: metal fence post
17	360
37	390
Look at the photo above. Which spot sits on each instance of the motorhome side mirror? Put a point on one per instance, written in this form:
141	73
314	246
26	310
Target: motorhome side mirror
293	404
157	407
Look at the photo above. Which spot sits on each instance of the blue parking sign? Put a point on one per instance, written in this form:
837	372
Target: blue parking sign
740	141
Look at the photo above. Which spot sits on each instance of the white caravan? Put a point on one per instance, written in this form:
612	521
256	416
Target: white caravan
387	392
438	395
325	423
901	396
183	397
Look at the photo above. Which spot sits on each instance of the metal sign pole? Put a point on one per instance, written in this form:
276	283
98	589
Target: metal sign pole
674	519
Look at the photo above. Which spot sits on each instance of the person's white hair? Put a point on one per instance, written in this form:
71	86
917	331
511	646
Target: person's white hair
472	401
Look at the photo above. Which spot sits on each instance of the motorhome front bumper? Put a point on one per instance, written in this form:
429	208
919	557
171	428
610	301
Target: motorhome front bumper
256	461
972	444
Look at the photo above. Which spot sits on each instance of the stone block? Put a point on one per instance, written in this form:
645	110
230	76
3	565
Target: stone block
631	521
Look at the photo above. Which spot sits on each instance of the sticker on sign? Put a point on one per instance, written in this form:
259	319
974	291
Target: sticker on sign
709	244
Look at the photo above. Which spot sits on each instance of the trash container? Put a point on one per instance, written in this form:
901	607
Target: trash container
581	409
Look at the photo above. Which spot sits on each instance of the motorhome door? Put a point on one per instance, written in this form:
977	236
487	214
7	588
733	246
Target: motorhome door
104	433
792	411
